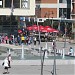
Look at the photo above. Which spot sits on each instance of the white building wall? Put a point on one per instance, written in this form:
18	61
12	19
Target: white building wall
20	11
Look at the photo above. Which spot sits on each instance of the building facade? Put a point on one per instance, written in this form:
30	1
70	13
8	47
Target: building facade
12	11
18	7
15	12
73	9
54	9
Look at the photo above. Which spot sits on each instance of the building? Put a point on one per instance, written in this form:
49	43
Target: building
54	9
15	13
73	9
11	11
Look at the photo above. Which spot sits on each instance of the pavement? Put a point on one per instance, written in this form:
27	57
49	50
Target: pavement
59	46
33	67
36	70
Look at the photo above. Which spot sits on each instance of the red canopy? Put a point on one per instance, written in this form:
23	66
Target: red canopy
35	27
47	30
42	28
30	28
19	31
56	31
47	27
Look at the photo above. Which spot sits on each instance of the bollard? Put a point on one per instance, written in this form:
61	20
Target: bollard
46	45
46	54
63	54
49	49
22	55
59	51
9	51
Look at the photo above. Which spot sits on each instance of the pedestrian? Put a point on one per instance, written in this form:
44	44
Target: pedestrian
71	51
34	40
54	44
6	39
6	66
9	60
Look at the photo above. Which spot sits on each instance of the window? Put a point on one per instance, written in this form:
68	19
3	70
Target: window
62	1
8	3
1	3
25	4
63	11
16	3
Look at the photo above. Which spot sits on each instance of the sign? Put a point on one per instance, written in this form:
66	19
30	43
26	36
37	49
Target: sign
22	18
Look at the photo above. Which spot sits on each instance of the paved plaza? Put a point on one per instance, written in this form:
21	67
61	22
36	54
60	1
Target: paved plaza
31	64
36	70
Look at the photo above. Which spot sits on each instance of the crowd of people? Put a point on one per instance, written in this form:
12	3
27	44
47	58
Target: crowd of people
21	38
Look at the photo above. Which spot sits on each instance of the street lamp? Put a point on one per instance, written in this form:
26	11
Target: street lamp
42	61
54	65
12	10
52	18
65	35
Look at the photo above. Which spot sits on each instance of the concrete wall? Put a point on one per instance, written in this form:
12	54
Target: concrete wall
20	11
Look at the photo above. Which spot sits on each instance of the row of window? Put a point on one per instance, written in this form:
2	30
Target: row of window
16	3
62	1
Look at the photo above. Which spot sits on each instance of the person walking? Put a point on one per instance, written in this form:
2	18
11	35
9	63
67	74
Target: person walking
6	39
53	44
35	40
6	66
71	51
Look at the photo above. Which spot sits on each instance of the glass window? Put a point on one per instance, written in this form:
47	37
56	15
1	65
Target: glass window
8	3
1	3
62	1
16	3
63	11
25	4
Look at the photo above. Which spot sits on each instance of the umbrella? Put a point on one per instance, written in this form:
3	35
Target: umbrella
56	31
30	28
19	31
35	27
47	30
40	27
47	27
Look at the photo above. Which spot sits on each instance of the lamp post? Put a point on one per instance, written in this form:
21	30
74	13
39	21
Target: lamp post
52	22
52	18
42	61
54	65
12	10
65	35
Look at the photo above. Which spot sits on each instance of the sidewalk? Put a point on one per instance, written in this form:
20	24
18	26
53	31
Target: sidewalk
38	62
36	70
